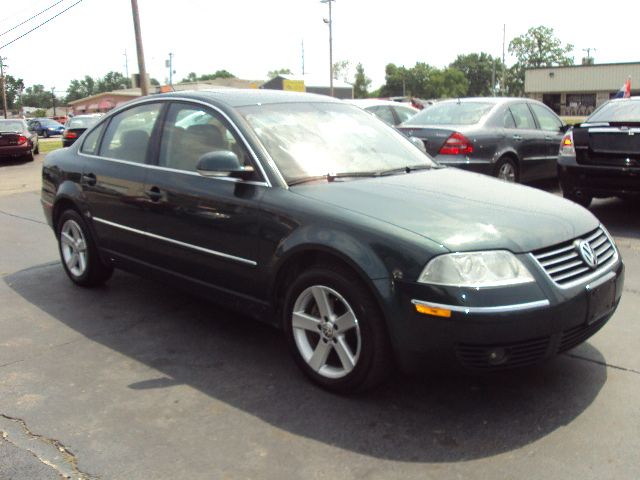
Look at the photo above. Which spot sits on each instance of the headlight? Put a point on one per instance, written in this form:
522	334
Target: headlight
476	269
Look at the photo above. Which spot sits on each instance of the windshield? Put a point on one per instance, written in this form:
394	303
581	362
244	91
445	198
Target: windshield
620	111
314	139
82	122
11	126
450	113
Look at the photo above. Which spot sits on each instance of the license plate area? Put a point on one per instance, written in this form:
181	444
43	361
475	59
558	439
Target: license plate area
601	295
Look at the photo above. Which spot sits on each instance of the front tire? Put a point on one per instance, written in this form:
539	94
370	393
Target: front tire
335	330
78	251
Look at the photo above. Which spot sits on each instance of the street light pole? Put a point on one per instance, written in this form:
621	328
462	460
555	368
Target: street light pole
4	85
330	22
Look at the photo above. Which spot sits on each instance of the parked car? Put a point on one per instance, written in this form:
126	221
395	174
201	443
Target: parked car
17	140
305	212
601	157
62	119
46	127
515	139
388	111
76	126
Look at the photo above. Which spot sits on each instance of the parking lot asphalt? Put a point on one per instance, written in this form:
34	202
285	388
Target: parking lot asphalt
139	380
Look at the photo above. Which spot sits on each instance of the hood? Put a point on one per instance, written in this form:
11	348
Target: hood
460	210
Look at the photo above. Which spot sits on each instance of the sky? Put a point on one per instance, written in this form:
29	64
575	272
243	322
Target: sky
251	37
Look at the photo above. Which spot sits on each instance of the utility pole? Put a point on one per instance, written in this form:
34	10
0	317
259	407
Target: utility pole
588	59
4	85
330	22
504	66
303	58
144	87
53	99
170	65
126	64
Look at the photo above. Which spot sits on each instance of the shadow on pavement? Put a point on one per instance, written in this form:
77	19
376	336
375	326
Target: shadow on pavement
619	216
246	364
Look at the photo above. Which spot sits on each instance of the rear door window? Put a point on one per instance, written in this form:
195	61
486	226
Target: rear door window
128	134
90	144
546	119
522	116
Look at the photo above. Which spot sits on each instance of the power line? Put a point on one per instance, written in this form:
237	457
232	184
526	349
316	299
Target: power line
28	19
35	28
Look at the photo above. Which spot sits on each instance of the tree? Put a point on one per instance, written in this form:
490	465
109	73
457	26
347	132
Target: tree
81	88
113	81
36	96
217	74
423	81
14	87
537	48
361	83
281	71
341	70
192	77
482	71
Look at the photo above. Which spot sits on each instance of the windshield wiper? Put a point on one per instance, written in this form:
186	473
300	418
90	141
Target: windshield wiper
330	177
407	169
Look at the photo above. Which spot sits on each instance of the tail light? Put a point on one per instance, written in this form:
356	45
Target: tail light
22	140
68	134
456	144
566	146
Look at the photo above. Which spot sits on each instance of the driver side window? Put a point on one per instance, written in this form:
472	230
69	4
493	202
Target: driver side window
189	132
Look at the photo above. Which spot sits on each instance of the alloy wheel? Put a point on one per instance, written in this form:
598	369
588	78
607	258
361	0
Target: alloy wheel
73	245
326	332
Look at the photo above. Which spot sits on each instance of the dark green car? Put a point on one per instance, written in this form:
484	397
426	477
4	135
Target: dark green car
314	216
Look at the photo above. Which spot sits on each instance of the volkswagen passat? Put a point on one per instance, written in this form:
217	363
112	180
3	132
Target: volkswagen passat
312	215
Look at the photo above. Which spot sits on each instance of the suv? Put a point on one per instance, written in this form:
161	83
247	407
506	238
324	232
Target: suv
601	157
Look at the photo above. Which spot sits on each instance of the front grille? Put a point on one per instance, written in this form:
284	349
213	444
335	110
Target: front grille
565	266
510	355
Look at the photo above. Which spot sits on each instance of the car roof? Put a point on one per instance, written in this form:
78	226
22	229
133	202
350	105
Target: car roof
237	97
374	102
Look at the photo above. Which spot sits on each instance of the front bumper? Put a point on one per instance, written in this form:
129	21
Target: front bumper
597	180
537	322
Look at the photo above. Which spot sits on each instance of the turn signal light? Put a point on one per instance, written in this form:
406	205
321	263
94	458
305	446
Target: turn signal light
436	312
566	146
456	144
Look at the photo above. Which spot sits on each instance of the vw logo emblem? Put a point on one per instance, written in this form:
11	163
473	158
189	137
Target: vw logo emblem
587	254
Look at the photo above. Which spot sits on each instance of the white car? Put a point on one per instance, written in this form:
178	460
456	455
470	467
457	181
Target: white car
393	113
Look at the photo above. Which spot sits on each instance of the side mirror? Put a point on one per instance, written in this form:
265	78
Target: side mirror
418	143
222	163
565	127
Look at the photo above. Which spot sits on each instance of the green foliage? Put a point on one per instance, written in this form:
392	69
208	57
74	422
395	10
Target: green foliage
423	81
37	96
282	71
41	112
361	83
89	86
341	70
192	77
482	71
537	48
14	86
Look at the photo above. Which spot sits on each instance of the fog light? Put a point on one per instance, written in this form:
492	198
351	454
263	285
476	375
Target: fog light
497	356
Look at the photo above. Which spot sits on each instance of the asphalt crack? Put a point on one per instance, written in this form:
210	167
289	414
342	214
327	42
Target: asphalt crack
49	451
604	364
23	218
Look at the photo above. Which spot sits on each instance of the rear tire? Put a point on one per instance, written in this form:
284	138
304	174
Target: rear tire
335	330
506	169
78	252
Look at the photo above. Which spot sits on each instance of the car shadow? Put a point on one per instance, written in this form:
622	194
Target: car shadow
619	216
437	418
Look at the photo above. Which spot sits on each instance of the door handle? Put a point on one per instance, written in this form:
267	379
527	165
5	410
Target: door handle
154	194
517	137
548	138
89	178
